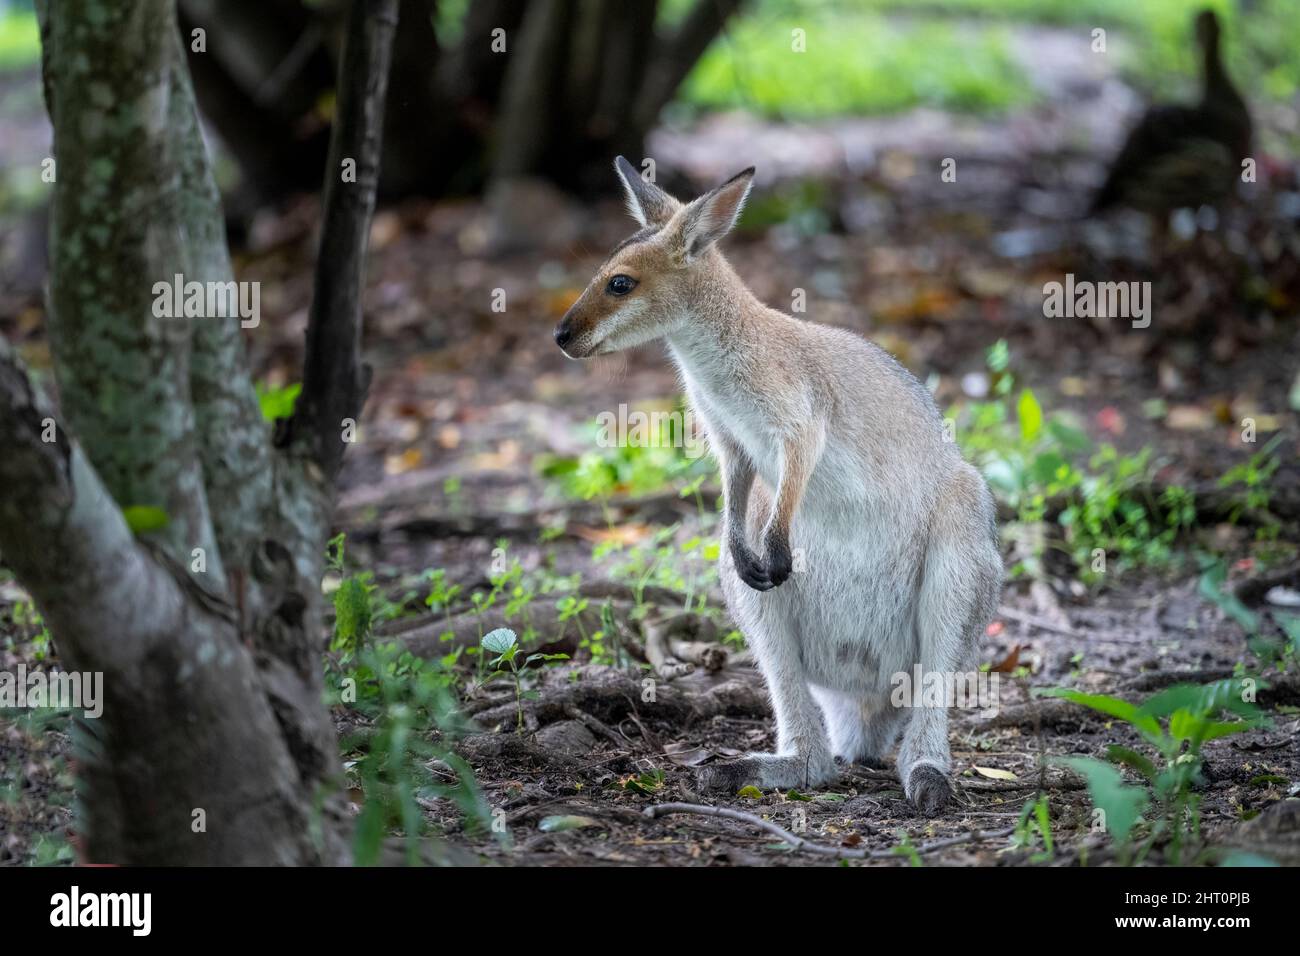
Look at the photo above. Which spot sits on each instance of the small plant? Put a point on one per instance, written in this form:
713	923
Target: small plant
1034	819
1275	651
404	698
358	604
1175	723
1250	487
503	643
906	848
1045	466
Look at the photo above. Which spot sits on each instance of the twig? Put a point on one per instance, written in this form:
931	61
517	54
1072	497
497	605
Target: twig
1032	620
799	843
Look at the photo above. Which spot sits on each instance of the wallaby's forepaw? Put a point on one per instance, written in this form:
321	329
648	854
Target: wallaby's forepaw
763	574
767	772
928	790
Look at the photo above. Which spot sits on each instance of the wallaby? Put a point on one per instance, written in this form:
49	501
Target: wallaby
831	452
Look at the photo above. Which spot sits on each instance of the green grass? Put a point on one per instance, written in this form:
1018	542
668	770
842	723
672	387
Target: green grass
856	62
882	56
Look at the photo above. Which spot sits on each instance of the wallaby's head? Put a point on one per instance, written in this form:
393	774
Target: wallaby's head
643	290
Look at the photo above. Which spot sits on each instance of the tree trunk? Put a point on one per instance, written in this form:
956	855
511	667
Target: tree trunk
577	82
213	746
259	82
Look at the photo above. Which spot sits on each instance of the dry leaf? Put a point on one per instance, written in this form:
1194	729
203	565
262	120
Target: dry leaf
1008	663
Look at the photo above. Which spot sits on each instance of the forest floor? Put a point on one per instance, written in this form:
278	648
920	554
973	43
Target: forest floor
475	444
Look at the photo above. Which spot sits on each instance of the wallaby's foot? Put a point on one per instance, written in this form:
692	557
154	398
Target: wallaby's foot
767	772
928	789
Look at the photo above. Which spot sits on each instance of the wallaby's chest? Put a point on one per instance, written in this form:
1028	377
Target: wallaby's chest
744	423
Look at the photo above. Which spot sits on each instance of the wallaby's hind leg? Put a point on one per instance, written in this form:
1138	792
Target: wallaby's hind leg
861	730
803	758
958	596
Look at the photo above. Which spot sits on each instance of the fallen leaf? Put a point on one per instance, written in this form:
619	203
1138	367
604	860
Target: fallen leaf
560	823
684	755
993	773
1189	418
1009	663
625	534
406	461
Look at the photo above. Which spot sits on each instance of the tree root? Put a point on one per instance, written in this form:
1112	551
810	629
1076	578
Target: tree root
674	643
608	696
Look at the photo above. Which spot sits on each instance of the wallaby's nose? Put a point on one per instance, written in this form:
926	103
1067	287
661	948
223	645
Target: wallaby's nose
563	334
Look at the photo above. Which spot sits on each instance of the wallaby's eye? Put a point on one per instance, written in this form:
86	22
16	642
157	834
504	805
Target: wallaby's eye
620	285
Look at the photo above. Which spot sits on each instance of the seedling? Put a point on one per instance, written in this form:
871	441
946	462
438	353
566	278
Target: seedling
503	643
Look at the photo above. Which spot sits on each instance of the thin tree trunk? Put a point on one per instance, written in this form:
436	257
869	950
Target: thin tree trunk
675	55
532	107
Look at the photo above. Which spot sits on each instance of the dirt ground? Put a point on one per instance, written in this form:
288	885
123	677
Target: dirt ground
936	275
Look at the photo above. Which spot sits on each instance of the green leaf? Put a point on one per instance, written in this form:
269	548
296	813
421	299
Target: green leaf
499	641
1211	587
1044	818
1290	624
1243	858
144	518
751	791
1120	803
353	613
1201	699
277	402
1030	414
1111	706
1046	467
1214	729
998	355
796	795
1068	437
1131	758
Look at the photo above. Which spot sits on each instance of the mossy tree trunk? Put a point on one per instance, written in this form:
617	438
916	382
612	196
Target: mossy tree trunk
214	745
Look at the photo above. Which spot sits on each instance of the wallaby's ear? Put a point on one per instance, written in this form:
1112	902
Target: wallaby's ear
711	217
648	204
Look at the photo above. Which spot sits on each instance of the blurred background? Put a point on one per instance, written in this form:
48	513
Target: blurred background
924	170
